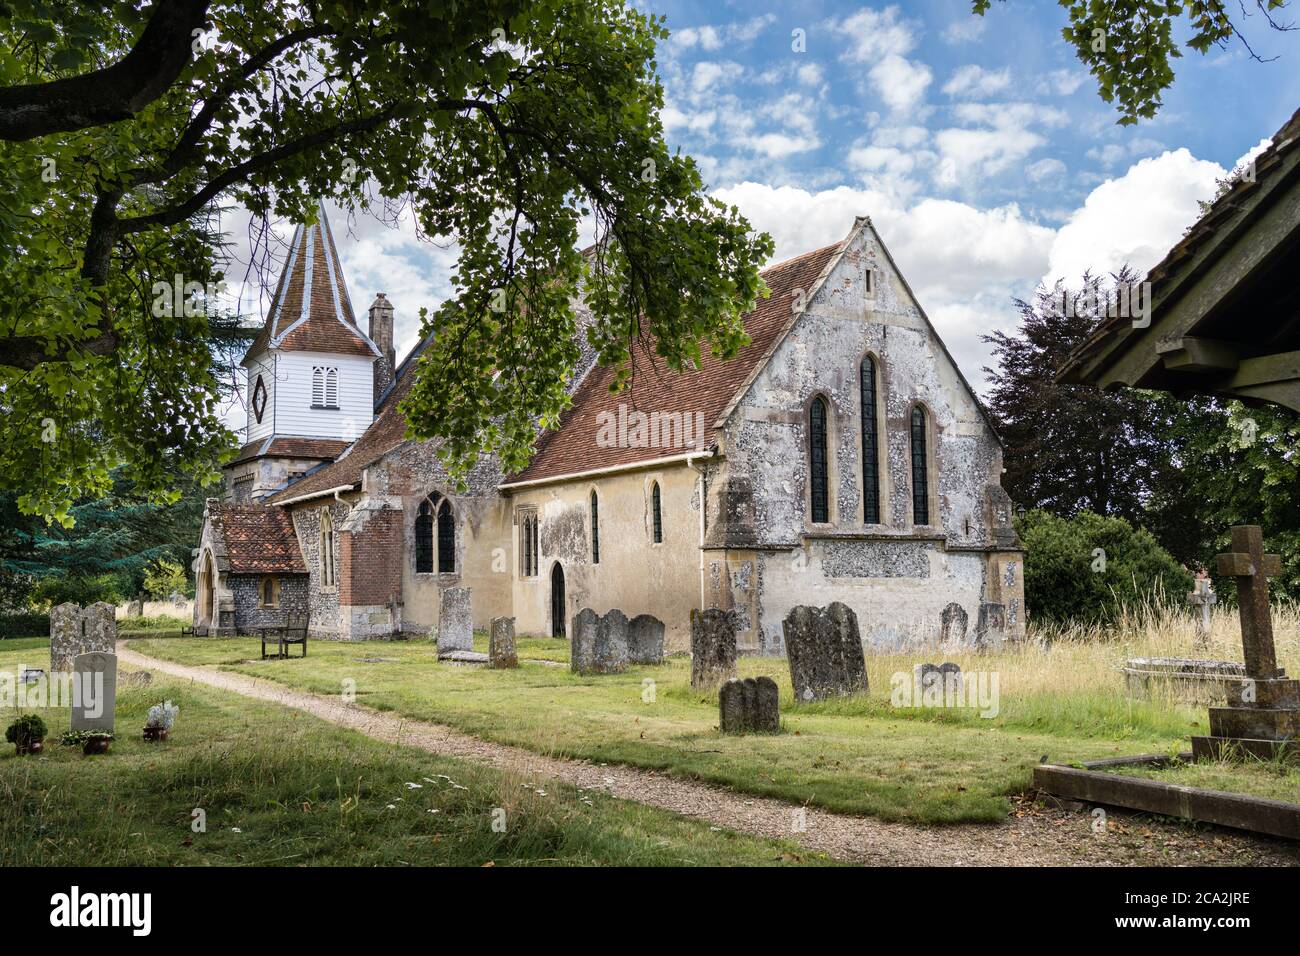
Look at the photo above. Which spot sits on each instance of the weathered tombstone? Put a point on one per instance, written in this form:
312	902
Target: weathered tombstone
1263	716
455	622
94	701
825	652
923	675
582	641
599	643
135	608
713	647
177	598
990	626
65	636
752	705
950	675
1203	598
99	628
645	640
953	625
501	643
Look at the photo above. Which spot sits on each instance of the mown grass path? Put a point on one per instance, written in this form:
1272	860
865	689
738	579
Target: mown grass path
1029	836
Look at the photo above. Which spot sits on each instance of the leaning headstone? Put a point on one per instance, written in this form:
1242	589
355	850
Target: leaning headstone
501	643
455	623
99	628
645	640
599	642
825	651
94	700
65	636
749	706
713	647
135	608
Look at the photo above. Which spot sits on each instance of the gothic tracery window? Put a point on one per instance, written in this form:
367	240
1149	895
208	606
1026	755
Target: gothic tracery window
870	445
920	469
818	471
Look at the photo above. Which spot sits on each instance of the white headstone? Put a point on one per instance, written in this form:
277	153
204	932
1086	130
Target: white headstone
94	701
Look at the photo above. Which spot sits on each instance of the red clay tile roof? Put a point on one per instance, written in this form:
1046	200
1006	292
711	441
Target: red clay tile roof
326	324
258	539
1222	209
326	449
573	447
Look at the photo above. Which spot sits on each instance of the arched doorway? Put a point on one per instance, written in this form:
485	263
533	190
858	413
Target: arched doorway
206	586
557	600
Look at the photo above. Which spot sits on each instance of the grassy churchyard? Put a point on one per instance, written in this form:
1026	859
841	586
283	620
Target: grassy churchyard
278	787
1061	695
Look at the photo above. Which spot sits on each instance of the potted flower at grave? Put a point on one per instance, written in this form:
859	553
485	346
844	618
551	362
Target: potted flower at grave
90	741
27	734
159	722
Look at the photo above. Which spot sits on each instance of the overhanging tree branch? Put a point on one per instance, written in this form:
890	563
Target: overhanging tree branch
114	93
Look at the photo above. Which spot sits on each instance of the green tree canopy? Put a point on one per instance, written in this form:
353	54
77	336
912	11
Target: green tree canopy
504	124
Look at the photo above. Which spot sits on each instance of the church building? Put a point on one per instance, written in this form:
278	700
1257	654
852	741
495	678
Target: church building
841	456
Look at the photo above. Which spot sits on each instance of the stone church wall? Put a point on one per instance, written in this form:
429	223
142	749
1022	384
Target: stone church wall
249	613
635	574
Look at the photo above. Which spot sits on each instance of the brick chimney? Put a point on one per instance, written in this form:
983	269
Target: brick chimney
381	333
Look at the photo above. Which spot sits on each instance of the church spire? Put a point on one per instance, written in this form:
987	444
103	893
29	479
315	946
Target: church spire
311	310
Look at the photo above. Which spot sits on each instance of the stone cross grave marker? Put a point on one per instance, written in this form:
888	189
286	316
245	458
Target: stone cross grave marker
1262	718
1204	598
94	703
1252	568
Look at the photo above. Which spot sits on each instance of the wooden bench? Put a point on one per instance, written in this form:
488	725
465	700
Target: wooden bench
292	631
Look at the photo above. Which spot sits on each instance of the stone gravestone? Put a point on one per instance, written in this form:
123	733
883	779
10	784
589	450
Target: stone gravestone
713	647
645	640
599	643
99	628
1204	598
94	700
65	636
74	631
953	621
825	652
455	622
501	643
135	608
752	705
1263	716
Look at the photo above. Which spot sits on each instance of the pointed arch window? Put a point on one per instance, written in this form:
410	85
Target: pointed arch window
595	529
818	471
424	538
326	548
920	469
446	538
528	552
870	445
657	517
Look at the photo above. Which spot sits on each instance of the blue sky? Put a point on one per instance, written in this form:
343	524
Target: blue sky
978	146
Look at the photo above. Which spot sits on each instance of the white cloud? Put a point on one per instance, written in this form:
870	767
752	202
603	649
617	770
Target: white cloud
874	34
900	82
707	74
966	155
964	30
1133	219
975	81
780	145
1062	82
706	38
1045	169
809	74
905	137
